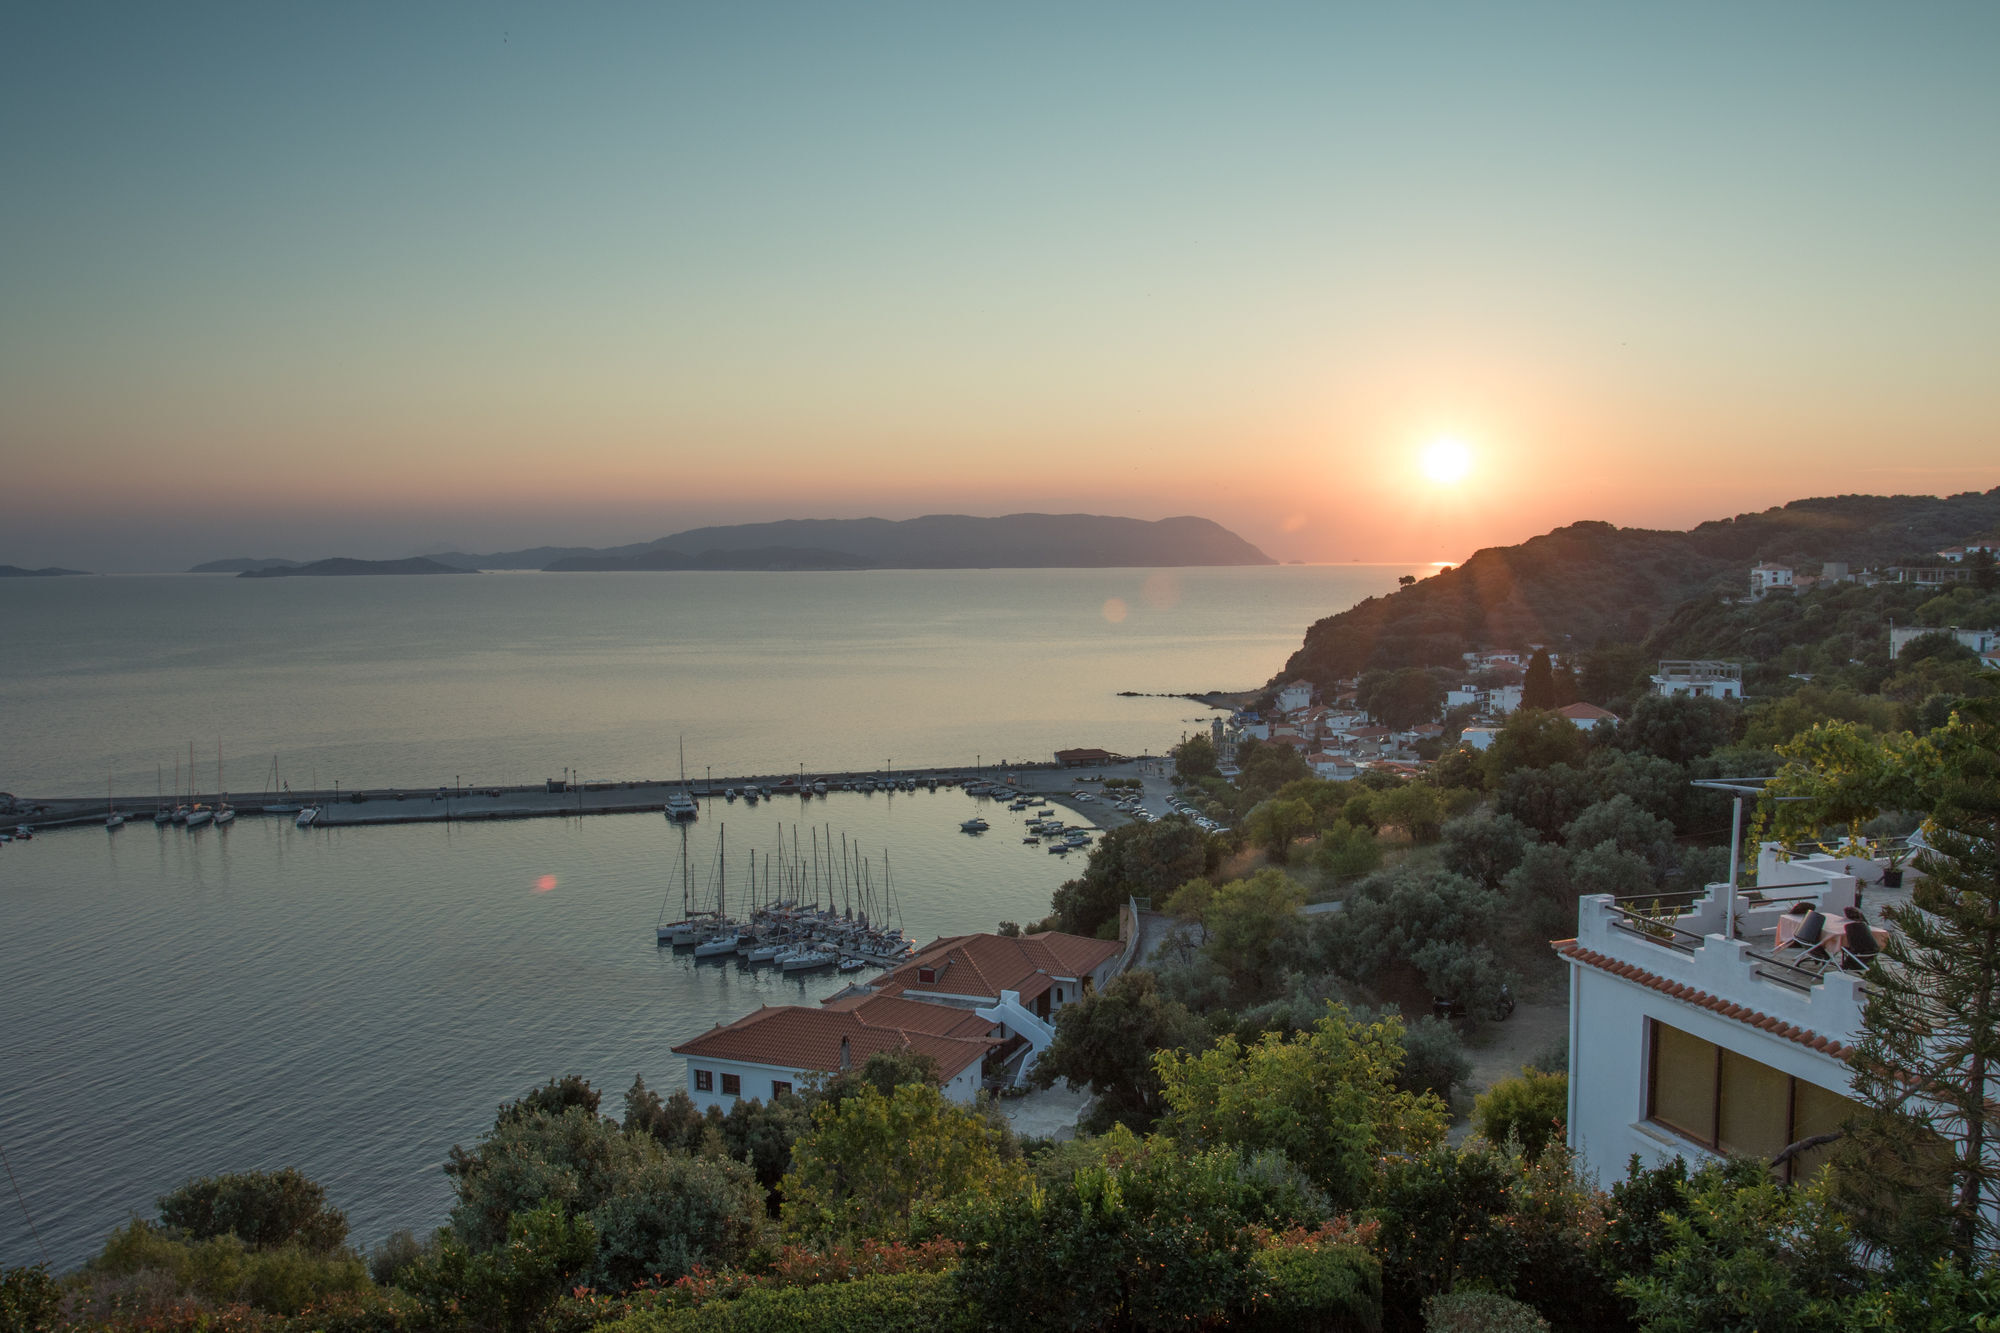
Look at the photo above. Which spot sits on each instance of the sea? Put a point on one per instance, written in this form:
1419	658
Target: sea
356	1001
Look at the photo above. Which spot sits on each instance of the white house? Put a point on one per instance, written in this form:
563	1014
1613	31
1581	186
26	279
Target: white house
1463	696
973	1003
1478	738
1692	1038
1766	577
1701	679
1587	717
1295	696
777	1048
1957	554
1017	982
1333	767
1981	641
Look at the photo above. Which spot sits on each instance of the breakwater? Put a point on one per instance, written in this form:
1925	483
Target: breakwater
468	802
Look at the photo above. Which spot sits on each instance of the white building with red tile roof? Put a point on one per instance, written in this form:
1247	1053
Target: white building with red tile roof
1586	717
1769	576
960	1000
777	1048
1697	1037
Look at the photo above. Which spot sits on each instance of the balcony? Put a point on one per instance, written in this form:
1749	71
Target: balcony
1727	945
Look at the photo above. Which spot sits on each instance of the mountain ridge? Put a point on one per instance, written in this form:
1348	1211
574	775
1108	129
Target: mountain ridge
1591	581
932	541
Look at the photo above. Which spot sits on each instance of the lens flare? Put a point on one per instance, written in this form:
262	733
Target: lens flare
1115	610
545	884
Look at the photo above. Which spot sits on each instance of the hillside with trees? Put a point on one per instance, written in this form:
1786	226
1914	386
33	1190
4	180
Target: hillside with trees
1592	583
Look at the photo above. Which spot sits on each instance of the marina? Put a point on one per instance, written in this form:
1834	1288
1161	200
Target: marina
356	1000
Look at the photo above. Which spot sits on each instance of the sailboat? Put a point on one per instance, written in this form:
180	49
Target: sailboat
198	814
112	819
693	926
282	802
161	815
723	941
225	815
680	806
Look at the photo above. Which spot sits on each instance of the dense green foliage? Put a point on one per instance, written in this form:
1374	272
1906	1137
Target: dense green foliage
260	1208
1137	860
1531	1110
1106	1042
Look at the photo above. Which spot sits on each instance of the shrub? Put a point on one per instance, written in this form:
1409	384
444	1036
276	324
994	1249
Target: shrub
160	1269
1480	1312
890	1303
397	1252
1434	1058
1346	851
1304	1282
30	1300
1532	1108
261	1208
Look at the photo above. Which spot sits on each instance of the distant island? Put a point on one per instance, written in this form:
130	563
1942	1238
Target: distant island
755	557
341	568
935	541
242	563
16	572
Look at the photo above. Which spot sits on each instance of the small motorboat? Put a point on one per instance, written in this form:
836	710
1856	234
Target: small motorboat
852	964
974	825
307	816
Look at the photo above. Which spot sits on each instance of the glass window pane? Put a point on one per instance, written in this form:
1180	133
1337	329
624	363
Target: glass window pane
1756	1108
1683	1093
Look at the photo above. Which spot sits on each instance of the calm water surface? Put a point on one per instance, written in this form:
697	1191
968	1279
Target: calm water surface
355	1002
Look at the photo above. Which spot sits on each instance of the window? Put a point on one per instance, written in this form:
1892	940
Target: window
732	1085
1730	1103
1059	998
926	974
779	1088
704	1080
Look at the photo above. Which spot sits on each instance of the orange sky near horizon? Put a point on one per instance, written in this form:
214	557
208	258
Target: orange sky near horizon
558	282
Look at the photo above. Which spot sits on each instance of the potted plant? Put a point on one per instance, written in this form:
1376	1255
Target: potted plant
1893	856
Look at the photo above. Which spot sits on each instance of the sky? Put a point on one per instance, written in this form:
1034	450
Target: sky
376	279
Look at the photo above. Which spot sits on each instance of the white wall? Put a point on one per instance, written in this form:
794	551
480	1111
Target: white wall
962	1087
1608	1064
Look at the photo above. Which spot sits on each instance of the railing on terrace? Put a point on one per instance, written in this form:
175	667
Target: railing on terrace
1800	976
1656	927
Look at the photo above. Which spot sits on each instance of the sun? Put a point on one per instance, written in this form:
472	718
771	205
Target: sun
1447	461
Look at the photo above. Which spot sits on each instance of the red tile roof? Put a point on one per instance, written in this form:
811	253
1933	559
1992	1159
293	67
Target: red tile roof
891	1011
1587	711
1570	949
985	965
795	1037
